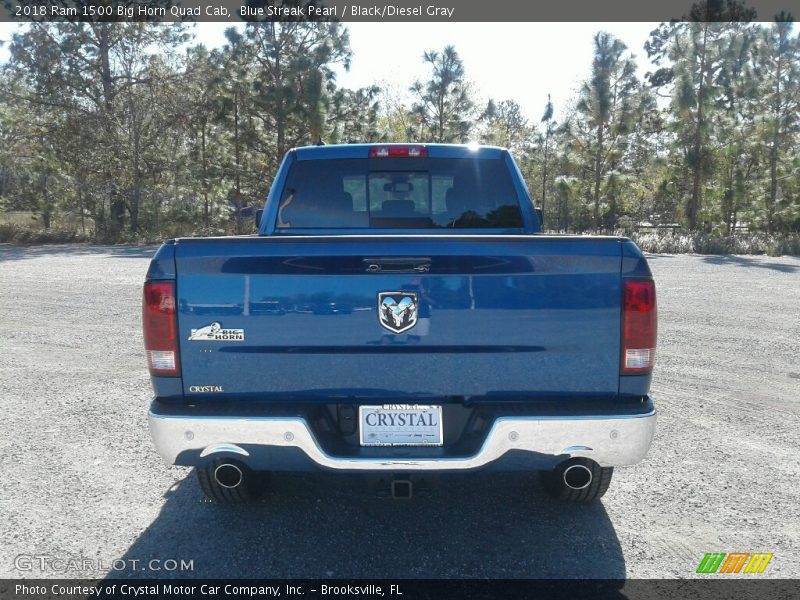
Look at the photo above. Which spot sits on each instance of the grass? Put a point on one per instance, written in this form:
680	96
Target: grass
22	234
703	243
665	242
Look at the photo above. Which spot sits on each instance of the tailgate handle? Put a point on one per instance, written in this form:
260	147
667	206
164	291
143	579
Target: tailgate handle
397	265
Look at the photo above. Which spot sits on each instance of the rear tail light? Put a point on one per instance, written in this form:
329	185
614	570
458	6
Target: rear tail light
638	326
160	328
398	151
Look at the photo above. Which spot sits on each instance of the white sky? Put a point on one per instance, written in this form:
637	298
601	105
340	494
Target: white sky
519	61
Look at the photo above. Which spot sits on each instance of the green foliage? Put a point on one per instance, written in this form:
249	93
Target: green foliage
720	154
111	121
699	242
443	108
124	133
607	111
20	234
506	126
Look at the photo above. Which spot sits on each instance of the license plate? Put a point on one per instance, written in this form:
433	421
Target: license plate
400	425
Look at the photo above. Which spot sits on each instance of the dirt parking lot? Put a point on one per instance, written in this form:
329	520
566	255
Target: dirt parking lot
81	478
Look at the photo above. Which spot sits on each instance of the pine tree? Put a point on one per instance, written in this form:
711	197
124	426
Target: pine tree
506	126
547	119
608	112
443	105
699	51
778	59
293	66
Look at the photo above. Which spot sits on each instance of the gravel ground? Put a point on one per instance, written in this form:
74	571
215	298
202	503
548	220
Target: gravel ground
81	478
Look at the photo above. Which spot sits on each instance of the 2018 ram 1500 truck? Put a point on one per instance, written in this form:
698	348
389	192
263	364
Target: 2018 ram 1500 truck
399	311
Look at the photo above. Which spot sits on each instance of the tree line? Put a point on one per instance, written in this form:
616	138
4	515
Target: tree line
130	131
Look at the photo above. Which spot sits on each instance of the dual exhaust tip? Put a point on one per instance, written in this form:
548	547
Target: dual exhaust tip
576	476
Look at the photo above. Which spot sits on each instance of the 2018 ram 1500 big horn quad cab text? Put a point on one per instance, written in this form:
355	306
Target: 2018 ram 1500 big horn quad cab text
399	311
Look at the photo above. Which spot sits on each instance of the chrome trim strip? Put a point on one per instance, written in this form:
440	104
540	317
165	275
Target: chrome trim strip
615	440
224	448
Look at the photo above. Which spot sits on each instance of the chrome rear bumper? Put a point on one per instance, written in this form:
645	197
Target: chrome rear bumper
615	440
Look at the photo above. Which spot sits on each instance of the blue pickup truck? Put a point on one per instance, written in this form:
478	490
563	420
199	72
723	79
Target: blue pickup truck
399	312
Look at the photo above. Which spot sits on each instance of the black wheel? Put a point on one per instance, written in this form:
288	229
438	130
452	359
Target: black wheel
228	481
581	488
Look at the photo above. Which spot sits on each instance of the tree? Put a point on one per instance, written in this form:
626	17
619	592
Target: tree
607	111
353	116
646	164
396	120
279	91
203	83
293	63
506	126
778	56
443	105
547	119
89	70
236	102
701	52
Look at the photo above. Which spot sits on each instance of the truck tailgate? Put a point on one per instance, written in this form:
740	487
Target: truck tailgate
500	317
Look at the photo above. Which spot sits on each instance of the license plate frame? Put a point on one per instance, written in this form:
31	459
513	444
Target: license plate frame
384	433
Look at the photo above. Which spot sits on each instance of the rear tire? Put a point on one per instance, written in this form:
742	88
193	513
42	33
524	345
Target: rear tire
248	490
601	479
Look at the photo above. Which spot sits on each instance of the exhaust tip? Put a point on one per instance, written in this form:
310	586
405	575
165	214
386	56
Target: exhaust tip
577	477
228	475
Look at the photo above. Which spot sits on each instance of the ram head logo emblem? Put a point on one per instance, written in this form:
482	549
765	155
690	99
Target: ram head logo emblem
397	311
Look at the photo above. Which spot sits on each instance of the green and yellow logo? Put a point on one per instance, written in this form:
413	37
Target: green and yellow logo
735	562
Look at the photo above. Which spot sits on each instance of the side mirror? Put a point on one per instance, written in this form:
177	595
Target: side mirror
259	214
540	214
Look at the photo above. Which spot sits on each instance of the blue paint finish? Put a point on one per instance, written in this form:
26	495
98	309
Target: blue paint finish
503	298
273	198
634	263
635	385
167	388
162	265
529	217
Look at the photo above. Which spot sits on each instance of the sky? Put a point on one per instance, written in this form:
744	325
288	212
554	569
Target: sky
519	61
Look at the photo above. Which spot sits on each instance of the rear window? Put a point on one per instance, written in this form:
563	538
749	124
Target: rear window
399	193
